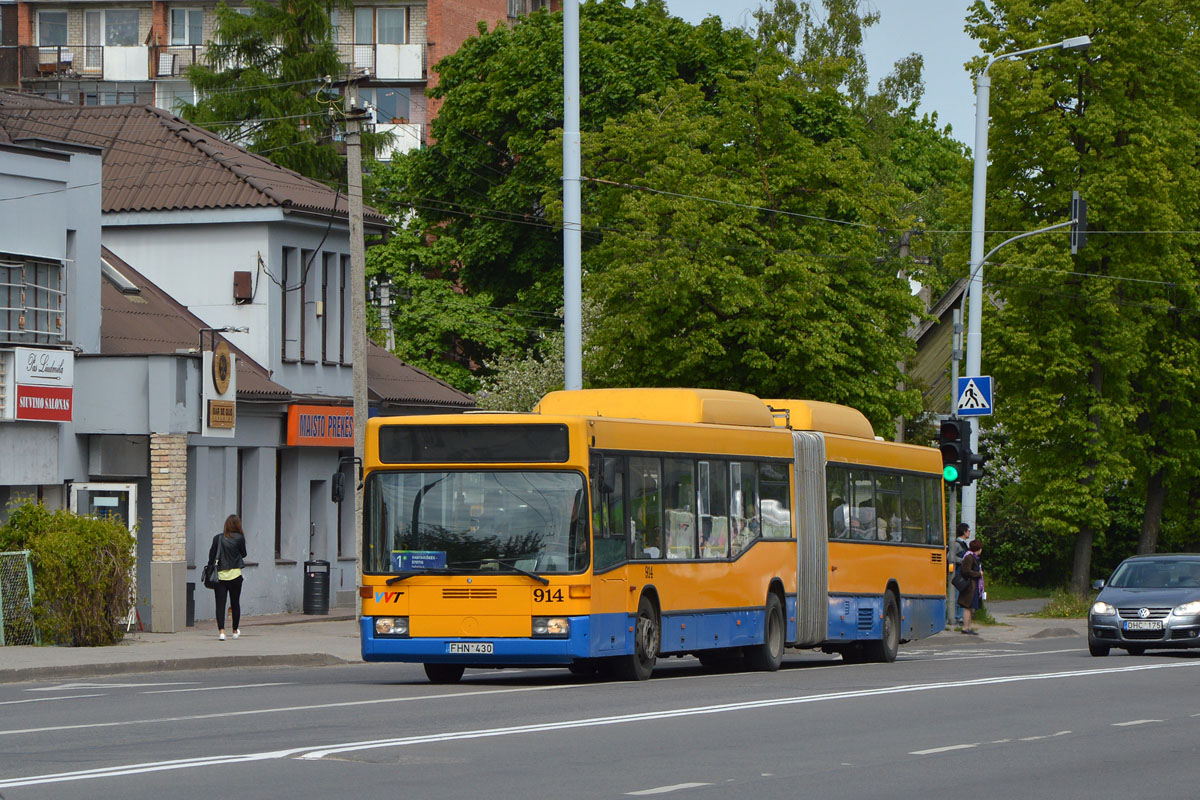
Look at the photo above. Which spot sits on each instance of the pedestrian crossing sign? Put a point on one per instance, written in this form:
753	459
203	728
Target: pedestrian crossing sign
974	396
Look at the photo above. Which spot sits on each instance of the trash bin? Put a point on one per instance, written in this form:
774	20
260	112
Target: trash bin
191	605
316	587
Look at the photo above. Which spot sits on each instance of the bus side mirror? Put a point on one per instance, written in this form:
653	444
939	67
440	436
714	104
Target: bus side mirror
338	487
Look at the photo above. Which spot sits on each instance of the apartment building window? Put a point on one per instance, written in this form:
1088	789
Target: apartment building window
391	104
187	26
380	25
308	306
290	307
32	301
52	28
121	27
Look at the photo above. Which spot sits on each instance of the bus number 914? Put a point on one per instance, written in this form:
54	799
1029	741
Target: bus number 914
547	595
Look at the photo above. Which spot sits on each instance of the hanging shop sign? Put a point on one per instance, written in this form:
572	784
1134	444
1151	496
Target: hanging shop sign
320	426
45	381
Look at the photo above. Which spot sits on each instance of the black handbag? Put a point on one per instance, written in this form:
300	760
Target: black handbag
209	576
960	580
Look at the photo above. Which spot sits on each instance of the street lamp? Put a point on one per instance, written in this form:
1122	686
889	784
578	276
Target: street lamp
983	86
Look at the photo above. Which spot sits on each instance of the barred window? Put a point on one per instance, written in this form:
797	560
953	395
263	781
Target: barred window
32	301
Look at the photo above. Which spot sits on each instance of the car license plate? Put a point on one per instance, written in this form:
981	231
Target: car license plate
469	647
1143	625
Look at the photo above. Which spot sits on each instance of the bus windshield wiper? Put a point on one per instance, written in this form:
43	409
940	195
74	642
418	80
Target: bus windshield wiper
516	569
403	576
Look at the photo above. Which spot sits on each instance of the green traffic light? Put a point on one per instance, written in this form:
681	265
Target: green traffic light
950	473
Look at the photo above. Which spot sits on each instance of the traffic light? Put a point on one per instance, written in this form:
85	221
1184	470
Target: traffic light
971	468
960	466
954	437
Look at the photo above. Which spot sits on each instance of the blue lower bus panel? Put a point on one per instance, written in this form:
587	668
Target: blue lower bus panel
858	617
480	651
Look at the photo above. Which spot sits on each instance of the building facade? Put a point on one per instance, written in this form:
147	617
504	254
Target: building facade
211	256
118	52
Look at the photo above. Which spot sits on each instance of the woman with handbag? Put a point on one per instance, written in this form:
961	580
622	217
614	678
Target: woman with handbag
226	555
970	596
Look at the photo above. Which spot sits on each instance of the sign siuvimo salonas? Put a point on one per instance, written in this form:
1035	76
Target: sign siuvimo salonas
45	381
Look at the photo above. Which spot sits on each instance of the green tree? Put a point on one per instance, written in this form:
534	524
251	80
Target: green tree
1096	354
268	85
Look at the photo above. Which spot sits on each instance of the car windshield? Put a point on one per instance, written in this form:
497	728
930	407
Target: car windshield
1157	574
482	521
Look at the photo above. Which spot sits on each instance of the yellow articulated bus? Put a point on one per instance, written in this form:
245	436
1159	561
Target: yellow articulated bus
611	527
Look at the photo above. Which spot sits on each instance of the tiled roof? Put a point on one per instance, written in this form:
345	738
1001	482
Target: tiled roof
150	322
392	382
154	161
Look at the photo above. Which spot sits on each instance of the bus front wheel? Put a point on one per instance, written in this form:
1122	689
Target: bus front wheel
646	637
768	656
443	673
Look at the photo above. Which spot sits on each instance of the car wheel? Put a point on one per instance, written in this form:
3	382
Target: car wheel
1097	649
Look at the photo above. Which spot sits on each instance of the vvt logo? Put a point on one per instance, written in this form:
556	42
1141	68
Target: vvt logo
387	597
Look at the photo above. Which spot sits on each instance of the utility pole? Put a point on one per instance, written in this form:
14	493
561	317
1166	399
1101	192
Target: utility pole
358	304
572	216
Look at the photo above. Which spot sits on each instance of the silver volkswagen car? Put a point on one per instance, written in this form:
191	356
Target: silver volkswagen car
1149	602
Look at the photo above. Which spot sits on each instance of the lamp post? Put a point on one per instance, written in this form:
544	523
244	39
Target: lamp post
983	86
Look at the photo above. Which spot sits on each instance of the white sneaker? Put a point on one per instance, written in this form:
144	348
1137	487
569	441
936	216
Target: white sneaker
236	633
222	636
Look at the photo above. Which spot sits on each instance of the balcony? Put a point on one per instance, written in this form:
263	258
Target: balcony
385	62
405	137
95	62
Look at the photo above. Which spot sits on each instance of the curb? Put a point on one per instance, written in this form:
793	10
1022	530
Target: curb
169	665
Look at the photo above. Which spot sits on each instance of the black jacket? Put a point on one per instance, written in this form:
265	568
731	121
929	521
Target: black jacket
232	550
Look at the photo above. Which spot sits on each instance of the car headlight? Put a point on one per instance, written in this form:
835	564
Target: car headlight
1187	609
559	627
391	626
1100	608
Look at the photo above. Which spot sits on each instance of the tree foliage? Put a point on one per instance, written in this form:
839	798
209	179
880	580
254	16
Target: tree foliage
82	572
787	285
268	85
1096	354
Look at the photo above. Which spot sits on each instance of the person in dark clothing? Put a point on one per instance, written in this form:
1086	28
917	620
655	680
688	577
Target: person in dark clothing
227	553
961	545
970	598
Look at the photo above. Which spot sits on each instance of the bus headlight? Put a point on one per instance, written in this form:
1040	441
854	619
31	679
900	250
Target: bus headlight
552	627
391	626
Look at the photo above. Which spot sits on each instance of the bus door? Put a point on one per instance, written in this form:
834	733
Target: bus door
610	548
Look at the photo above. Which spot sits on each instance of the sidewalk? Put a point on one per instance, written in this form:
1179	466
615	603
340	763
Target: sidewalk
300	640
269	640
1013	624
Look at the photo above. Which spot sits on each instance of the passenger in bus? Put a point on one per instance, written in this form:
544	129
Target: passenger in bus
840	522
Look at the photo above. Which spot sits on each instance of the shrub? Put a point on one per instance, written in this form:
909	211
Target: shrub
82	572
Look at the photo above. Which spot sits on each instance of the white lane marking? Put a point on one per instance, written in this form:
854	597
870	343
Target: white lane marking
665	789
66	687
216	688
49	699
1046	736
287	709
723	708
1135	722
945	749
310	753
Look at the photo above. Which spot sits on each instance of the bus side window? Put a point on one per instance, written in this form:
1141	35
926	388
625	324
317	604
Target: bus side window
935	512
714	508
608	512
887	503
680	480
912	508
746	519
774	494
645	501
836	480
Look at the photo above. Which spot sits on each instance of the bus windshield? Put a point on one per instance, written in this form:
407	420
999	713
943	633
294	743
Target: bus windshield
478	521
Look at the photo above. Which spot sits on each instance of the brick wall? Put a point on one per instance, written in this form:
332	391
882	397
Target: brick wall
452	22
168	496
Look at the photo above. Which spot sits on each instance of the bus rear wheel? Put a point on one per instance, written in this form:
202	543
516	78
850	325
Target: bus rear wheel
646	638
885	649
444	673
768	656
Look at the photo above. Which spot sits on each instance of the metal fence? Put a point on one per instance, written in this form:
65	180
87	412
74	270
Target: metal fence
16	599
